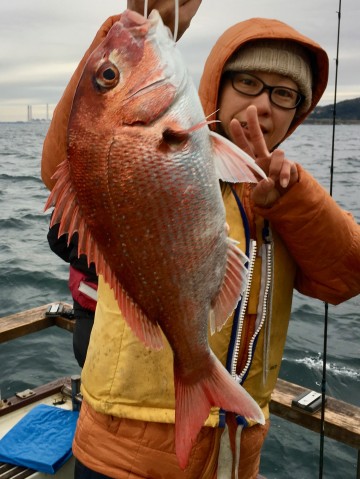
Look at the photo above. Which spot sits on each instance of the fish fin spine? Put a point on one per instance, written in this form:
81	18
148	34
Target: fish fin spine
66	208
146	331
67	212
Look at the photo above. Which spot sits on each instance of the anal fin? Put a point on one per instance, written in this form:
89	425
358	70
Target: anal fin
147	331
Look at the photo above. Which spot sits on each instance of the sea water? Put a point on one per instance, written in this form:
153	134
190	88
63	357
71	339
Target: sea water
31	275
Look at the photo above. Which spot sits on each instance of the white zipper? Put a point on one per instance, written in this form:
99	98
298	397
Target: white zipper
244	302
263	310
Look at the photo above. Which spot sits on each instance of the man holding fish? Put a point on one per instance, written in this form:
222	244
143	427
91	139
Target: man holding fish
139	182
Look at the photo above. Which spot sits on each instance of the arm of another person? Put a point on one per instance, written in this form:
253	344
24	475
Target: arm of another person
54	148
59	244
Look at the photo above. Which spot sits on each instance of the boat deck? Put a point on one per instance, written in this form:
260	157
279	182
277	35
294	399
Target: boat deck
341	419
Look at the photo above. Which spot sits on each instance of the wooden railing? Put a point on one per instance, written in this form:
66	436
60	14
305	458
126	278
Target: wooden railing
30	321
342	420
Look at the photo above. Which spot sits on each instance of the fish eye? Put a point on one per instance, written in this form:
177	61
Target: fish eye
107	76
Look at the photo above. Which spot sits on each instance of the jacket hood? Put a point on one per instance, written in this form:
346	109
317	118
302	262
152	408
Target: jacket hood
255	29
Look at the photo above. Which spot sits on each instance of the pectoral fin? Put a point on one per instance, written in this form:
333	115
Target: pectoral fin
233	286
233	165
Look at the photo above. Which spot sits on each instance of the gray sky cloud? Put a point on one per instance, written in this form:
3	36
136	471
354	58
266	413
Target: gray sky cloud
43	40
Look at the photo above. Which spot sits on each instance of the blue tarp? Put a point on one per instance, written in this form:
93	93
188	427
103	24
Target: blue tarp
41	440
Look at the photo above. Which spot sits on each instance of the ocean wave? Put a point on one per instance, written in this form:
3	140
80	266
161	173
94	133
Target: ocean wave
316	363
20	178
11	223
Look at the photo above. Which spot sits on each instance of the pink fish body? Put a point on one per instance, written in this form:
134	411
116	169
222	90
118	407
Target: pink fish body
141	187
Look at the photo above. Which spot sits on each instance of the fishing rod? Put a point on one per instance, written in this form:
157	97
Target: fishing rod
326	316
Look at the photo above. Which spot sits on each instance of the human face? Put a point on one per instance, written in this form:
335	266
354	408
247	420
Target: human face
274	121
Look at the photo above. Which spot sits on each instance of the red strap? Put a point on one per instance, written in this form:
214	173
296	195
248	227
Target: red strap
75	278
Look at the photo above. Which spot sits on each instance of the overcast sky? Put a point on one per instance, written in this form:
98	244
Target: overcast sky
41	42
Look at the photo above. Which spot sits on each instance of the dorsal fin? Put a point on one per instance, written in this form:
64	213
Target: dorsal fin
67	212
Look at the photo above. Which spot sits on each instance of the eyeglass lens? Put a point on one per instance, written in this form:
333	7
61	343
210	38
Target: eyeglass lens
252	86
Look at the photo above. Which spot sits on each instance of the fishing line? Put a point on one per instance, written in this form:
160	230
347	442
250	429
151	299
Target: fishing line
176	20
146	8
176	16
323	381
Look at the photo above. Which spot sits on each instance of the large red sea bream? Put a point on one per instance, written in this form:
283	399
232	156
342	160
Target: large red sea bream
141	187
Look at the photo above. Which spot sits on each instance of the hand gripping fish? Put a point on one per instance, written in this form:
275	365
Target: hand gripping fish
141	187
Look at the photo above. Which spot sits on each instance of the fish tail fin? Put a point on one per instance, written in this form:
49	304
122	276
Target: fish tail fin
193	402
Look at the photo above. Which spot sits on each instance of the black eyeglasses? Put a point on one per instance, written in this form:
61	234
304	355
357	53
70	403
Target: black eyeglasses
251	85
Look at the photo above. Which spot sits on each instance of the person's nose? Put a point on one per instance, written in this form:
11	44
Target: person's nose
263	103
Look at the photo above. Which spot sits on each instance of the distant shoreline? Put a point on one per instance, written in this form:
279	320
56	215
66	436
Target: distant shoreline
25	121
329	121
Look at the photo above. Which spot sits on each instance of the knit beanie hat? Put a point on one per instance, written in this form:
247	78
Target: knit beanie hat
276	56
